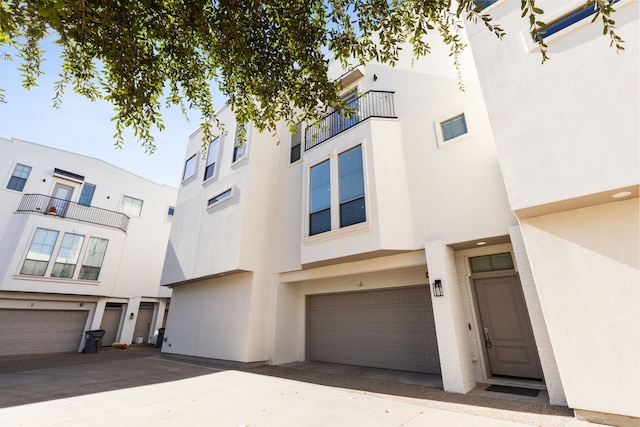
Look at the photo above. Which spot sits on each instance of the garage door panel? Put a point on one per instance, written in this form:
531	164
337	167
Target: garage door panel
393	329
41	331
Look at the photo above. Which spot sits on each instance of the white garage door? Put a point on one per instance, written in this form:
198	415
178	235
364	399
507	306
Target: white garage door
391	328
41	331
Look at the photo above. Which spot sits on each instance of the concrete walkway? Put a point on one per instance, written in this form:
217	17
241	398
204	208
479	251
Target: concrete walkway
139	387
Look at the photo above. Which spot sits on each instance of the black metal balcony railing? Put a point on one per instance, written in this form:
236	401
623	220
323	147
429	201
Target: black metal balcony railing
65	209
370	104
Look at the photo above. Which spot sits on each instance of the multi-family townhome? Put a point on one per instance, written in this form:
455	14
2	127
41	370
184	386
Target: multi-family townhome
568	140
379	238
83	243
400	237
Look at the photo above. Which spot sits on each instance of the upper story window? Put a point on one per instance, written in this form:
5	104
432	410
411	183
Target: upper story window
170	212
93	258
485	3
454	127
68	254
19	177
130	206
296	143
351	180
240	143
320	198
569	19
37	260
86	196
189	168
212	156
220	197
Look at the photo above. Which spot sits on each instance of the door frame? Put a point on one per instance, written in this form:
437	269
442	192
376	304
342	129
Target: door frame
479	335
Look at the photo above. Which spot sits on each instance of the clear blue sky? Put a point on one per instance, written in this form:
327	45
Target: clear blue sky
85	127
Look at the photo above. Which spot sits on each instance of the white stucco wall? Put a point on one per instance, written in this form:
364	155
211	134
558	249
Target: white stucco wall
587	270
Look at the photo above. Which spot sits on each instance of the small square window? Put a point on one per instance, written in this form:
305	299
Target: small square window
19	177
453	127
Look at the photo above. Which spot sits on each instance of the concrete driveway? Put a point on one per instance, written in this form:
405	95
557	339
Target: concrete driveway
140	387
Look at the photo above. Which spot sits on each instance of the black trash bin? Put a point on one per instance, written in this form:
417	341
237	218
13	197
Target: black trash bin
160	338
92	340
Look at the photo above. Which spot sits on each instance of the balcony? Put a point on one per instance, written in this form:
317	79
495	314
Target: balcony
47	205
370	104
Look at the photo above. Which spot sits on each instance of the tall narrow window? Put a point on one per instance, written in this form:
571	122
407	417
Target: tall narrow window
212	156
170	212
68	253
93	258
240	143
351	179
19	177
131	206
296	142
189	168
40	252
320	199
454	127
86	196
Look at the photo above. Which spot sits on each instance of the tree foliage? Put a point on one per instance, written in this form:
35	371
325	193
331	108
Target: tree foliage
269	57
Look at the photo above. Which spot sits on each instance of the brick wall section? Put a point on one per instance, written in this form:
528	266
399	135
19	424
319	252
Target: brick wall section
450	319
540	332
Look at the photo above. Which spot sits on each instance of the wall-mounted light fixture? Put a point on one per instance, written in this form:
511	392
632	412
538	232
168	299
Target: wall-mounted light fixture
437	288
360	284
131	316
375	78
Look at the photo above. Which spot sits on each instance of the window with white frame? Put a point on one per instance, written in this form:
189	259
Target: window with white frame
320	198
351	184
68	254
189	168
131	206
93	258
19	177
212	156
453	127
240	143
219	198
39	255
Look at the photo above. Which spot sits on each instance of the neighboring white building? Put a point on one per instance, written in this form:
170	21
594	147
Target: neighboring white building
83	243
391	238
569	147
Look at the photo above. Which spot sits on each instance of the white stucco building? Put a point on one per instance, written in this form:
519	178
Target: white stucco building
468	234
568	140
83	243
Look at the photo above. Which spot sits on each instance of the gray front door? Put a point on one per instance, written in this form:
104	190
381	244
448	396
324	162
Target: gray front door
143	323
506	329
110	323
62	195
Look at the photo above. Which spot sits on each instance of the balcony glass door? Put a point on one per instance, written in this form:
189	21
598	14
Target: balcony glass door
61	196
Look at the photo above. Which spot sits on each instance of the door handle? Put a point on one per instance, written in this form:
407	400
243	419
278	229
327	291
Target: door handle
487	341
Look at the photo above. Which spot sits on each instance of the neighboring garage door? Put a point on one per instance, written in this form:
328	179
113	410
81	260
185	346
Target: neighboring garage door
390	328
41	331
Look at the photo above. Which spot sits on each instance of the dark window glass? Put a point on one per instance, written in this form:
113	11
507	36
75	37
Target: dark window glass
320	199
19	177
485	3
352	206
220	197
454	127
212	155
240	144
86	196
296	141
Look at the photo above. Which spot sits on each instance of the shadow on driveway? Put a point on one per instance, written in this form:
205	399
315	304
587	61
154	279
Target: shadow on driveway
39	378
